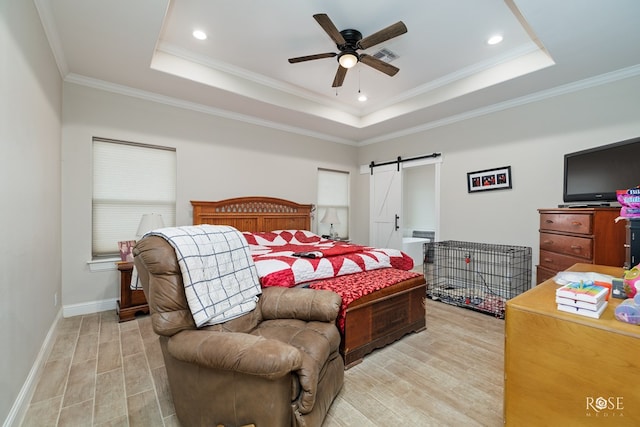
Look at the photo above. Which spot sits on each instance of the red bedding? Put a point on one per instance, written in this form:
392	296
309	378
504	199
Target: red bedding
355	286
277	265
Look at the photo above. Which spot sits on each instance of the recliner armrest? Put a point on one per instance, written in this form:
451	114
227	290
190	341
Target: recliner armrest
299	303
244	353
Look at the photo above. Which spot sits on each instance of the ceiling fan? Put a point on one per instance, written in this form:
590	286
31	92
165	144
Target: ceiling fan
348	42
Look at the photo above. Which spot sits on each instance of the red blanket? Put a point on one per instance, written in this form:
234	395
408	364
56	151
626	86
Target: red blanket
355	286
275	257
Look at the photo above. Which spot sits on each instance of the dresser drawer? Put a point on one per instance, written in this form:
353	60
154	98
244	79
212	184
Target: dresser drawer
568	245
580	235
566	222
558	262
543	274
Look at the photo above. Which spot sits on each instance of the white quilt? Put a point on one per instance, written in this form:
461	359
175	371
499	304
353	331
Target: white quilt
219	275
291	257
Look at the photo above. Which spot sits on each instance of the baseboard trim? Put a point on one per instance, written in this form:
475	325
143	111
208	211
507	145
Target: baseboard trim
89	307
21	404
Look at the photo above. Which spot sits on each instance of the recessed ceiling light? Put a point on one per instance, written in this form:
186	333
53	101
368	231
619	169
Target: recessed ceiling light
199	34
494	39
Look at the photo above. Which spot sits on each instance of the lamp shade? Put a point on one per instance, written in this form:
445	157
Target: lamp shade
149	222
330	217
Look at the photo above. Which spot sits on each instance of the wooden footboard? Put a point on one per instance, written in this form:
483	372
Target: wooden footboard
383	317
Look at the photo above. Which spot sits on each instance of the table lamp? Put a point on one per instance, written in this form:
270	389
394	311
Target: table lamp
331	217
149	222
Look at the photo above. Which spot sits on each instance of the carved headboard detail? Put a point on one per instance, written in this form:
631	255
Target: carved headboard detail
254	214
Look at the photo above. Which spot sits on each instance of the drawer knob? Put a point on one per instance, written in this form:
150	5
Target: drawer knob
548	242
578	247
576	223
549	260
548	221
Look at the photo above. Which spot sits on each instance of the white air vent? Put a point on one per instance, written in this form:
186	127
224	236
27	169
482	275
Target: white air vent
385	55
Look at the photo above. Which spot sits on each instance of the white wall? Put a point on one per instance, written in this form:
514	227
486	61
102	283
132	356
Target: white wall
532	139
216	159
30	123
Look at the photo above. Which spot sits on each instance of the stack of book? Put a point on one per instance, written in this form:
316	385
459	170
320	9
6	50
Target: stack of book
584	298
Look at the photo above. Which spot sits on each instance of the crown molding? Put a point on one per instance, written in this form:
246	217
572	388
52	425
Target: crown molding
602	79
588	83
43	8
174	102
254	77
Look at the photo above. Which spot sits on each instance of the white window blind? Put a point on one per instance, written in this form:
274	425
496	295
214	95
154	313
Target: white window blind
129	180
333	192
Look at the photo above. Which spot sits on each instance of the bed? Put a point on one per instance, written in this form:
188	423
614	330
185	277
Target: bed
379	306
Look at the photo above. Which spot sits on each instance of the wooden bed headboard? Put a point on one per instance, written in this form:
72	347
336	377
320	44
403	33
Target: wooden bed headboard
254	214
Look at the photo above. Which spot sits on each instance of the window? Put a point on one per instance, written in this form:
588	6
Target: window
333	192
129	180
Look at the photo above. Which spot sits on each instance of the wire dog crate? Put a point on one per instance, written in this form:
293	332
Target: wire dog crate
478	276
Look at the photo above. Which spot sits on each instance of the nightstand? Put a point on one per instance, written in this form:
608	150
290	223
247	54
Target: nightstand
131	301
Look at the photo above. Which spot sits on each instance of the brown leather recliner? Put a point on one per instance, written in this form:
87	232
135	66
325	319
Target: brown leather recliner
277	366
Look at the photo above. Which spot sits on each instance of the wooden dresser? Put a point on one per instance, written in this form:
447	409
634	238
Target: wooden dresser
562	369
579	235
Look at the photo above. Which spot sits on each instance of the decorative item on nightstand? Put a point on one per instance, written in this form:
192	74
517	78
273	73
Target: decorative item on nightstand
331	217
126	250
133	301
149	222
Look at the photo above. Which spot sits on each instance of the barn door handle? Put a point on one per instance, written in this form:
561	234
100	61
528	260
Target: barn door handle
397	218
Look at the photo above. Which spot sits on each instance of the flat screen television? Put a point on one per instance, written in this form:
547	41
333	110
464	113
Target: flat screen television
593	176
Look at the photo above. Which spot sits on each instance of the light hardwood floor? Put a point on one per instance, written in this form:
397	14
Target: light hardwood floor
104	373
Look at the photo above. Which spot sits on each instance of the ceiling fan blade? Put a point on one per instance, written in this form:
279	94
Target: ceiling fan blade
327	25
340	75
383	35
378	64
312	57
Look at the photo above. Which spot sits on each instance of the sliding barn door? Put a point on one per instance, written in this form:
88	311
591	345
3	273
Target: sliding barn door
386	207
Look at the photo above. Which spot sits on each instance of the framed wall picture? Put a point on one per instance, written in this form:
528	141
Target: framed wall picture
490	179
126	250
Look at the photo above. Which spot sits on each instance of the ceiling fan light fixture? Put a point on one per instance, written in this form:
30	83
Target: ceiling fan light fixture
348	59
349	41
